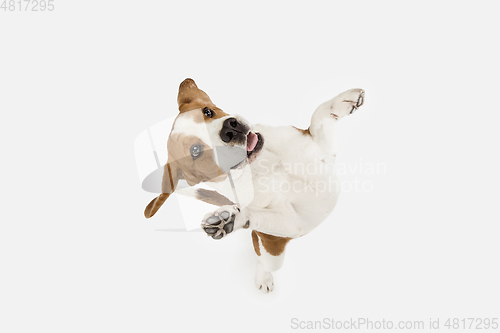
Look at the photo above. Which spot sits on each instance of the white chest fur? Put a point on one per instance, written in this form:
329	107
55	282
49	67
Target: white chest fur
294	172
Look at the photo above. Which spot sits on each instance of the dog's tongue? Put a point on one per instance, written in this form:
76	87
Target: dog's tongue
251	141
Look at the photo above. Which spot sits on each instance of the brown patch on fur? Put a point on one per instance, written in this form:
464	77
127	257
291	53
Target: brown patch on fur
305	132
155	204
170	179
212	197
193	170
181	165
255	241
191	98
274	245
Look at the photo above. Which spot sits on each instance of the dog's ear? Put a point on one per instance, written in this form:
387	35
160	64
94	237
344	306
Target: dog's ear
190	97
171	176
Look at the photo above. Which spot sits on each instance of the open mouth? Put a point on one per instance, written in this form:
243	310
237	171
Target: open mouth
254	143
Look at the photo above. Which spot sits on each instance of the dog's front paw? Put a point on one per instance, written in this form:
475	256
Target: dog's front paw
221	222
347	102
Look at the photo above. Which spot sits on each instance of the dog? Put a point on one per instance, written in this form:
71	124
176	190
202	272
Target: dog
279	182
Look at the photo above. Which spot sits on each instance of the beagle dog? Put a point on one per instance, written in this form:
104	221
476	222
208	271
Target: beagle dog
279	182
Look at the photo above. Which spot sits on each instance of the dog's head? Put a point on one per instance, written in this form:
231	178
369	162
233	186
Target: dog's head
204	144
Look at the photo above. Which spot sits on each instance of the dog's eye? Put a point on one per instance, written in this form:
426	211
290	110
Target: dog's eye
196	151
208	112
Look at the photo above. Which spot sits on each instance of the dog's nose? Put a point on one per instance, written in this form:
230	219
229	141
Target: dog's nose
232	129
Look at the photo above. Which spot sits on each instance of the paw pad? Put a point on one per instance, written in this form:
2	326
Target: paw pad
219	224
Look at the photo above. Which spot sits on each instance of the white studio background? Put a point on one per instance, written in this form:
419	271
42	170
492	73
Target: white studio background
79	83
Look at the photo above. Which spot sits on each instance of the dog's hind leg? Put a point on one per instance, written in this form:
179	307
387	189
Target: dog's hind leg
270	252
328	113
